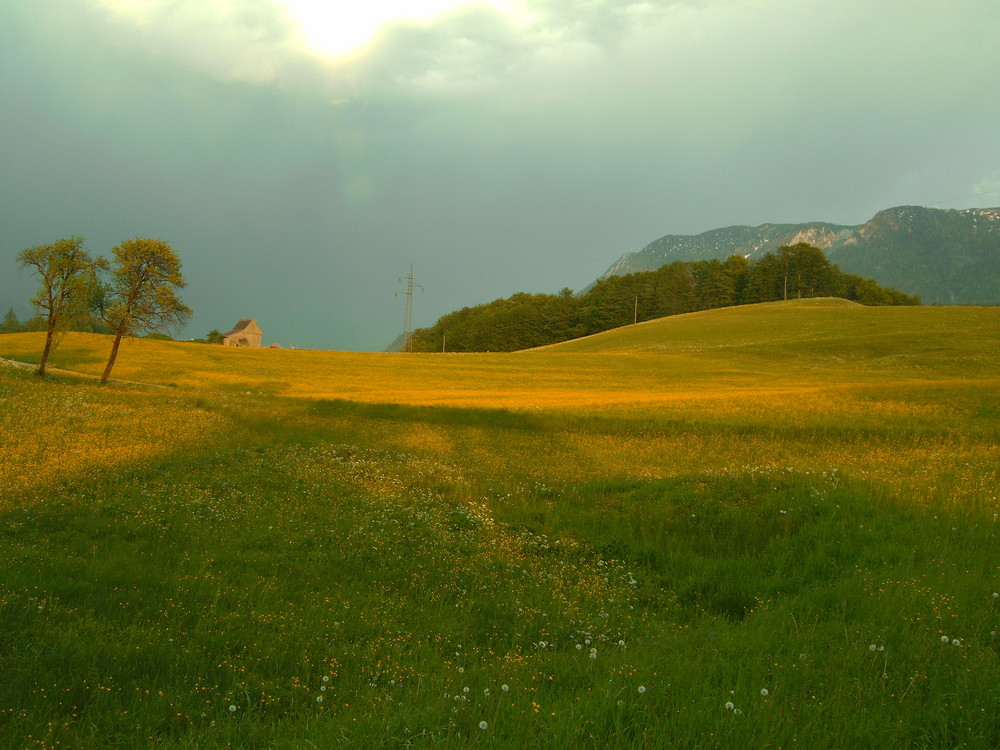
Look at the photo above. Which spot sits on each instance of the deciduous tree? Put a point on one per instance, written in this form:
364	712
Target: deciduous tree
141	294
69	283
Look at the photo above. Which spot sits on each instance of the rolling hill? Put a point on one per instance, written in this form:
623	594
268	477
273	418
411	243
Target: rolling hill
803	342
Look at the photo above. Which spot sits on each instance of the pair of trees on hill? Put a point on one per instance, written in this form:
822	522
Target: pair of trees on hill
132	294
527	320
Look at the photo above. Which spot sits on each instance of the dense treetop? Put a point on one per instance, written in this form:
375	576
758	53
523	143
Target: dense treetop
528	320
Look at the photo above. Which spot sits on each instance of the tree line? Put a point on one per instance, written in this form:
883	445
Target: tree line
528	320
133	293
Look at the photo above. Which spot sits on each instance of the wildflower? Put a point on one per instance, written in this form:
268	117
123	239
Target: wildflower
461	670
326	678
763	691
232	709
505	688
737	712
465	690
642	689
483	725
729	705
319	698
872	647
956	642
579	646
944	639
621	643
486	692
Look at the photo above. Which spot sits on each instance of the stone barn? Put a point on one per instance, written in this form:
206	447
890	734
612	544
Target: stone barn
246	333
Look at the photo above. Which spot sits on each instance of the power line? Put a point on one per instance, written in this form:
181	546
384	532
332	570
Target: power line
408	328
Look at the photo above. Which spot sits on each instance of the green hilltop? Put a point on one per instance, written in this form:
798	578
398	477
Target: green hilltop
525	321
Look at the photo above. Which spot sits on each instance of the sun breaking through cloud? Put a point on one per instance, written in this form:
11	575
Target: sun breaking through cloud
338	29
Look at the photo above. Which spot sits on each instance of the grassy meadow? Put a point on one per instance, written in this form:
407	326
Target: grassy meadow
773	526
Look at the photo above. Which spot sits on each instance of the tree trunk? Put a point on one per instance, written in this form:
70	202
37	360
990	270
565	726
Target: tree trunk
112	358
49	335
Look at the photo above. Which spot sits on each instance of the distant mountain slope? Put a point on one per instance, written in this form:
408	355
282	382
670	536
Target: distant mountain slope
945	256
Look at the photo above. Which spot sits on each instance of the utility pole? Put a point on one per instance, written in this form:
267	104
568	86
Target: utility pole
408	329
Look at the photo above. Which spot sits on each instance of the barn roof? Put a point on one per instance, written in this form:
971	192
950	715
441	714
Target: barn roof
245	325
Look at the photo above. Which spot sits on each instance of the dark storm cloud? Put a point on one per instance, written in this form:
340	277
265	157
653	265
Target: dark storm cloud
496	153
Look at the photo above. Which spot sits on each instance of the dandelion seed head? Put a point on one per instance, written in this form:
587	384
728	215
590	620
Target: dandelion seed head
505	688
764	692
483	725
642	689
872	647
729	705
944	639
232	709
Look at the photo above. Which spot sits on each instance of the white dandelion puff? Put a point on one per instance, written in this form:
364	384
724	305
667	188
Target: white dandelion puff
764	692
483	725
642	689
729	705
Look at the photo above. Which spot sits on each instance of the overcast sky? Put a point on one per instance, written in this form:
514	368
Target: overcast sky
300	155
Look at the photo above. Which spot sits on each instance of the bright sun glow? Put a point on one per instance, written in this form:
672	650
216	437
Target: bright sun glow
339	28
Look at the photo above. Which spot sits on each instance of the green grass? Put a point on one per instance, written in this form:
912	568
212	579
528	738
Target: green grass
816	538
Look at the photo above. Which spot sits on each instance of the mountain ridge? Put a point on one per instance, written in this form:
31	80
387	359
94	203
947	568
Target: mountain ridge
946	256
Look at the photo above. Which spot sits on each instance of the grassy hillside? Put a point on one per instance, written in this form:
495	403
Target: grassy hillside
763	526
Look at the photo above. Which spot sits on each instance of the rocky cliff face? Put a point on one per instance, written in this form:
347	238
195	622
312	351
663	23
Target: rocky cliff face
945	256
